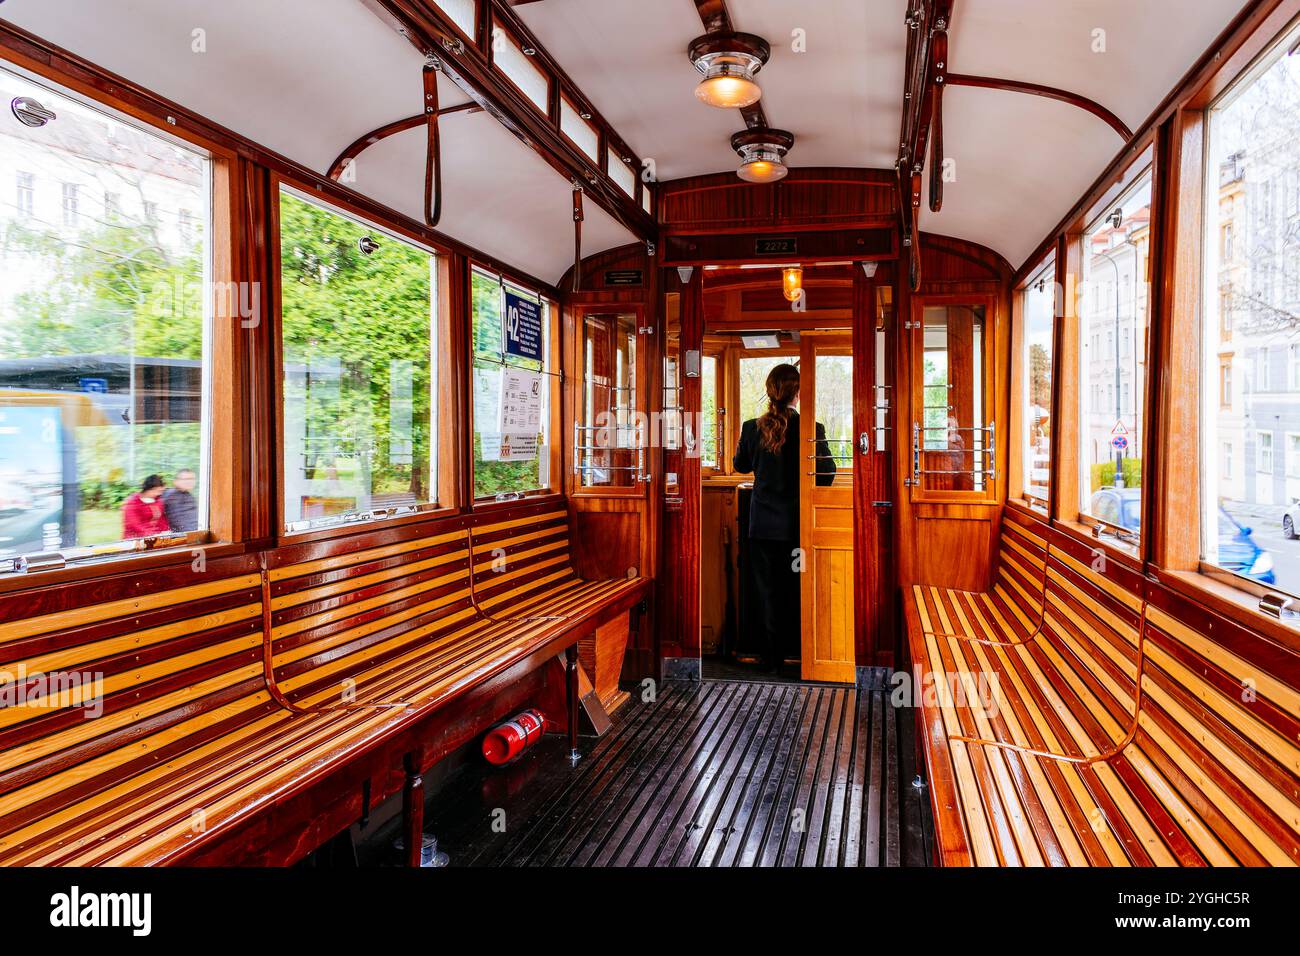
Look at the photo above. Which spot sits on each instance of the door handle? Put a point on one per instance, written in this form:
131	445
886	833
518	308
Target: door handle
864	443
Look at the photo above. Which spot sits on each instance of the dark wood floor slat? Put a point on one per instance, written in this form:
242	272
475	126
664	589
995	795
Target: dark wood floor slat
589	825
764	780
783	818
722	778
716	773
637	731
651	780
675	787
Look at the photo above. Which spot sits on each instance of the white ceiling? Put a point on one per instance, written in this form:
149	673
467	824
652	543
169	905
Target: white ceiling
307	77
313	75
1021	161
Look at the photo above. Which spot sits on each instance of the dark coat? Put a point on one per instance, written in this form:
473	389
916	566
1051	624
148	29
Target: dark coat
182	510
774	507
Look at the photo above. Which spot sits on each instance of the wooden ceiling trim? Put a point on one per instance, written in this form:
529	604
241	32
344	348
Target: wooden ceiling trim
928	23
362	143
1050	92
429	30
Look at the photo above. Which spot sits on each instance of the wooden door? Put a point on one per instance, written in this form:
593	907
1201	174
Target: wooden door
826	528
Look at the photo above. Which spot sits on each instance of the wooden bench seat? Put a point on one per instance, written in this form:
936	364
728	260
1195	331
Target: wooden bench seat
1070	765
205	722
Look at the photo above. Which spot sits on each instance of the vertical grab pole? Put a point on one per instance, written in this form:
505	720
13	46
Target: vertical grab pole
571	692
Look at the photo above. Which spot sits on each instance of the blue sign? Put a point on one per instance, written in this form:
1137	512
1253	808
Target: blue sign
1119	443
95	386
522	318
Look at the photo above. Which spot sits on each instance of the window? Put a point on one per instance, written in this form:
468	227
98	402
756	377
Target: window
463	13
1264	464
1115	299
1293	367
1227	461
70	204
515	388
951	439
1293	455
579	131
103	341
518	66
647	199
1225	384
753	382
359	359
1038	313
1262	363
609	448
112	205
25	197
710	412
622	174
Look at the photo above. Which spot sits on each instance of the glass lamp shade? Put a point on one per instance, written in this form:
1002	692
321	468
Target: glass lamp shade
762	166
792	283
728	85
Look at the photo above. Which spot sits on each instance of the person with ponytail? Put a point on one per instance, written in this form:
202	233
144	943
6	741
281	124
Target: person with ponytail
769	448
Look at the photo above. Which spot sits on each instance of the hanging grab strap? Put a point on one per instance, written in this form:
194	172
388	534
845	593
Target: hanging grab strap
433	155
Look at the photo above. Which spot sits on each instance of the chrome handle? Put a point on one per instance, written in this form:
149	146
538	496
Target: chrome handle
30	112
864	443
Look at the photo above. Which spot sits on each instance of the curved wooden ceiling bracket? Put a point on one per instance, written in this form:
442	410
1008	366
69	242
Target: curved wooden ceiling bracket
362	143
1050	92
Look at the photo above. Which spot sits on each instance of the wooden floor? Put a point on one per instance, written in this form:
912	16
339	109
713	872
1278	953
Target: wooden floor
718	773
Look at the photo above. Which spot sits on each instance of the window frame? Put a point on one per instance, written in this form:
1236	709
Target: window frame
510	37
444	371
575	324
226	430
1045	271
995	480
555	409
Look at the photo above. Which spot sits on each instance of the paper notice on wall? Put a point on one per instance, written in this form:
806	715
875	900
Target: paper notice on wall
520	408
508	447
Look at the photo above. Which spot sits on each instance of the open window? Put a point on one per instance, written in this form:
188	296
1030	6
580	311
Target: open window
516	389
105	333
1250	333
360	352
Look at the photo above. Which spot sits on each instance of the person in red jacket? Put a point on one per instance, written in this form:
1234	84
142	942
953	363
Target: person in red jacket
143	515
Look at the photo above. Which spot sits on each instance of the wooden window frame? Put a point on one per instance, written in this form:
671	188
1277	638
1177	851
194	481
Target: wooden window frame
991	494
447	372
555	401
1045	270
548	108
571	103
228	431
1175	135
575	337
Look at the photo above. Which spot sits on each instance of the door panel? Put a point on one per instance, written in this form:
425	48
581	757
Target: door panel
826	527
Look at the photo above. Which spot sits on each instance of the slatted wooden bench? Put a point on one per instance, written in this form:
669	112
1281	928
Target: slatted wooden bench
225	690
1072	766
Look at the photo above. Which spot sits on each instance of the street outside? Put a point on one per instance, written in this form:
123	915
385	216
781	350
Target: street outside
1265	523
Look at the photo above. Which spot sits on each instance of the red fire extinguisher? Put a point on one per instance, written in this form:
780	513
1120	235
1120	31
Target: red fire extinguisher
507	741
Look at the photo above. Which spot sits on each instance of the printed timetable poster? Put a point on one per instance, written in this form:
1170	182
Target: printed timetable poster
522	318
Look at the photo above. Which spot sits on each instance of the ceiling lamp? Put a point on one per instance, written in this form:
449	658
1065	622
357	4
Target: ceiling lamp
762	153
728	62
792	283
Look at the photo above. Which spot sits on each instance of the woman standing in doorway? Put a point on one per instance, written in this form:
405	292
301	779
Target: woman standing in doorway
769	448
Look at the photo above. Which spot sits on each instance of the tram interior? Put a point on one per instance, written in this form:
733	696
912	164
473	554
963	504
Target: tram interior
371	379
